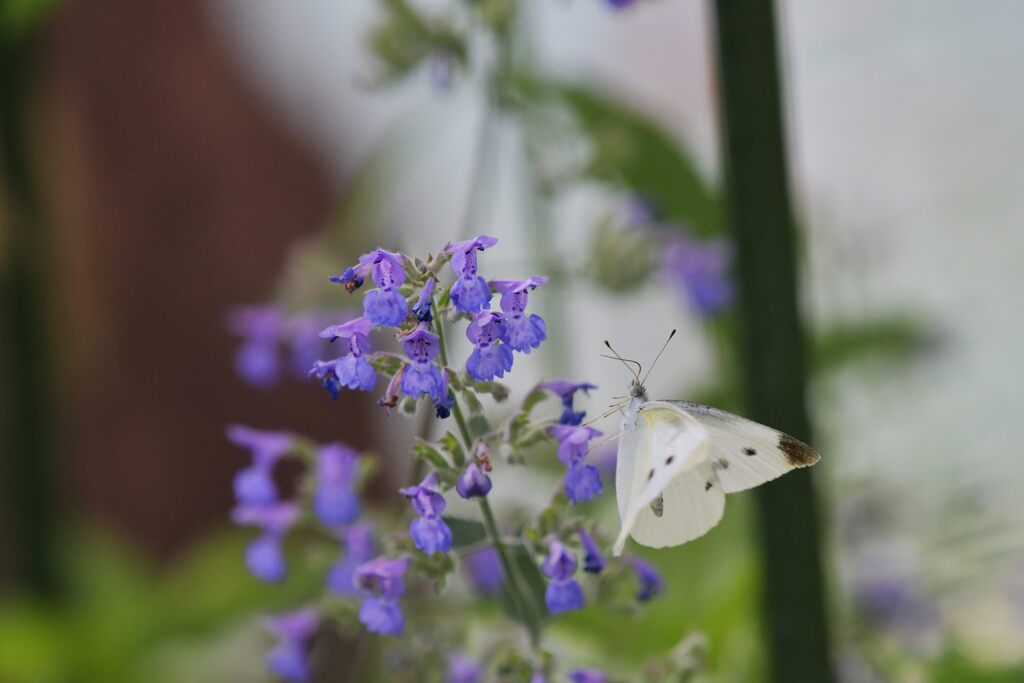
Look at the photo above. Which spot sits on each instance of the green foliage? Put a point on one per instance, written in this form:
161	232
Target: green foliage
885	340
18	17
406	38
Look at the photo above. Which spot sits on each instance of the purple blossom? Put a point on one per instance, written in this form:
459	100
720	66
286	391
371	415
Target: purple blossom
353	277
358	541
390	398
385	305
380	581
264	556
422	376
429	532
462	669
293	632
490	358
582	483
442	398
566	391
563	593
335	501
701	271
254	485
352	371
587	676
473	483
469	293
649	579
422	307
573	441
593	560
524	332
257	360
484	571
325	372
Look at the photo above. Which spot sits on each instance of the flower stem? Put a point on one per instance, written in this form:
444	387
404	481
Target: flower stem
512	579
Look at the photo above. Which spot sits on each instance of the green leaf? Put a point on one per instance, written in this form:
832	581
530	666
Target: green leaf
465	532
452	445
637	154
887	340
430	454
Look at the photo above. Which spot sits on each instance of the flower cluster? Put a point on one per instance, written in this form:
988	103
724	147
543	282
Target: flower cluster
381	575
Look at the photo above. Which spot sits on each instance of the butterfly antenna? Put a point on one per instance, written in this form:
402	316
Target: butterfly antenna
663	347
625	361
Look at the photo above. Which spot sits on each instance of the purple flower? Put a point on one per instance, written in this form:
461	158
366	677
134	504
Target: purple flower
422	307
573	441
483	568
524	332
380	581
293	632
352	370
593	560
335	501
264	556
563	593
385	305
587	676
254	485
490	358
701	271
324	371
429	532
442	398
461	669
566	391
649	578
470	292
582	483
474	482
257	360
382	616
422	376
358	540
390	398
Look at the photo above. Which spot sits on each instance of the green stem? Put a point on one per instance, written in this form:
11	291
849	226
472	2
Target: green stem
513	581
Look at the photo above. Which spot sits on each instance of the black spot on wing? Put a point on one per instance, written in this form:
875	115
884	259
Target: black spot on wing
669	459
707	486
650	475
749	451
798	454
658	506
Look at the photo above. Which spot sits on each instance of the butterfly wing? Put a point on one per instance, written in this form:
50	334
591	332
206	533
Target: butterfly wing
667	489
745	453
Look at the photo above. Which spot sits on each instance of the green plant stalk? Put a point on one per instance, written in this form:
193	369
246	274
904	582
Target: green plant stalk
530	620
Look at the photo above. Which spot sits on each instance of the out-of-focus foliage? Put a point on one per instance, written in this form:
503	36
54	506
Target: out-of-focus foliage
19	16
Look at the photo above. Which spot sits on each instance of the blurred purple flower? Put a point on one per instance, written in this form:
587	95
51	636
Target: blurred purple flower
261	327
593	560
380	581
462	669
264	556
335	501
701	271
254	485
352	370
469	292
483	568
358	541
648	578
587	676
293	632
523	332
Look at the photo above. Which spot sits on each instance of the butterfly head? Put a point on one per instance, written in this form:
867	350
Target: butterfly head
637	389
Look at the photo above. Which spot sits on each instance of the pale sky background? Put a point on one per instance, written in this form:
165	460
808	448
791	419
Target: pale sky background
906	129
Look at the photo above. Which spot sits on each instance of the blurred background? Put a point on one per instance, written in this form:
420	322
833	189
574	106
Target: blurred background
168	161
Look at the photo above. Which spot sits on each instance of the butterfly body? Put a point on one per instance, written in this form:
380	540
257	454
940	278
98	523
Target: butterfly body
677	460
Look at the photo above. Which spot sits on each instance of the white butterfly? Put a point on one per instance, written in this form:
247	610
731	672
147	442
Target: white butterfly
678	459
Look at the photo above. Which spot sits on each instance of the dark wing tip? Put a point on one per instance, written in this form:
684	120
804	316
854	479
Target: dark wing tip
798	454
